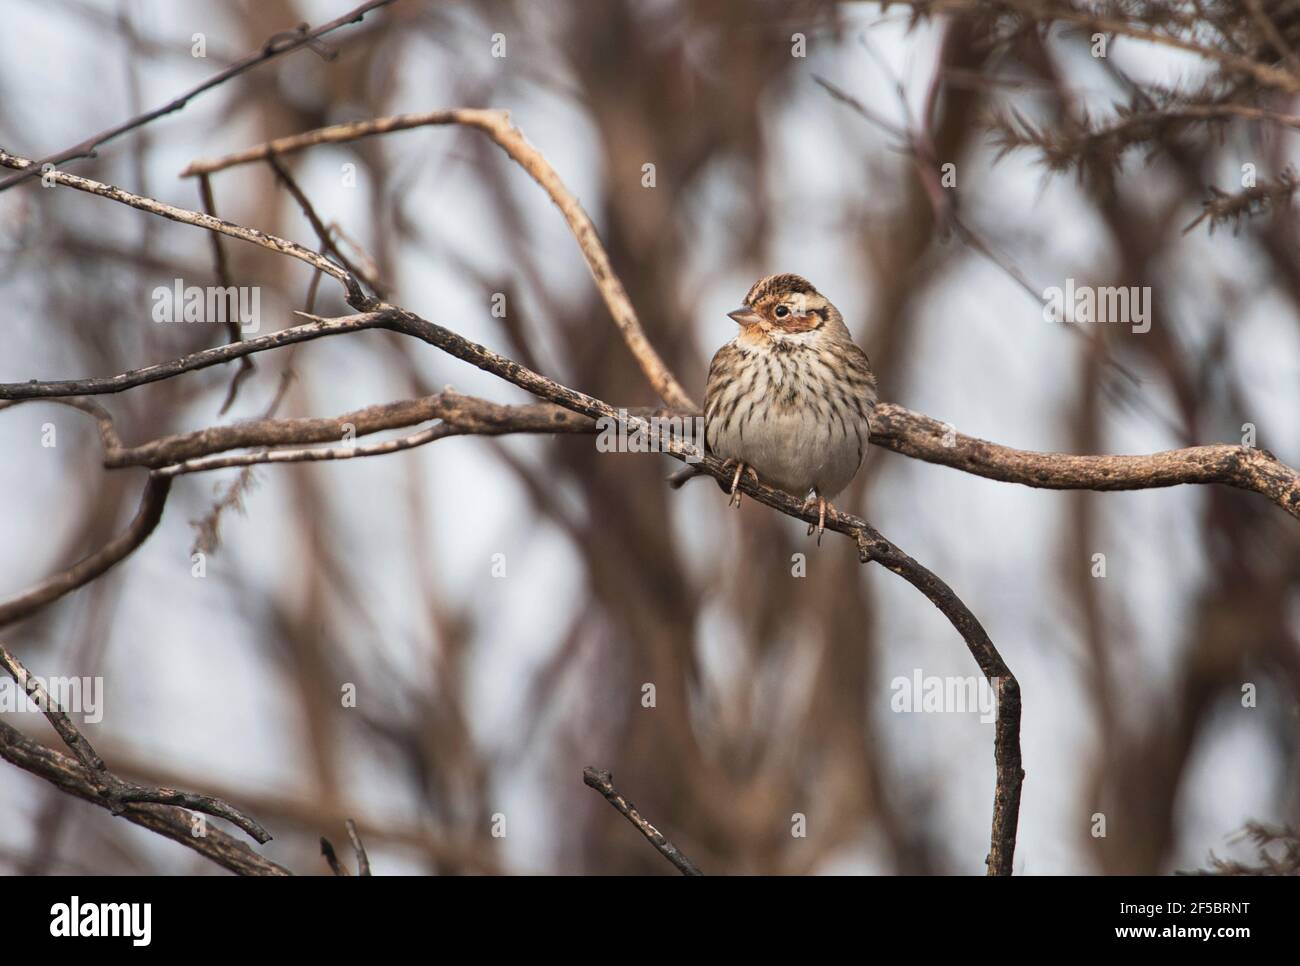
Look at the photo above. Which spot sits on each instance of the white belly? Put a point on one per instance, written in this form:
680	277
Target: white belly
795	450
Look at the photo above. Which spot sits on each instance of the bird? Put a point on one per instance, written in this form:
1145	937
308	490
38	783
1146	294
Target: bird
789	400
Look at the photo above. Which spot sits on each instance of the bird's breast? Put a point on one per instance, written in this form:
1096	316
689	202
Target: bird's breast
789	416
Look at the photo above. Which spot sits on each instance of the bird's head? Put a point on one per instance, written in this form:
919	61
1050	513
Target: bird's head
785	308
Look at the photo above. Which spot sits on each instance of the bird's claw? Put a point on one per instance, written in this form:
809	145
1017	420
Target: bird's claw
734	498
823	509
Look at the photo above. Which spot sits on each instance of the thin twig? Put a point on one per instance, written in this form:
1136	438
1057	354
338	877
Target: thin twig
68	775
1264	74
1274	36
497	126
227	283
603	782
116	792
202	359
363	860
281	43
323	235
58	718
356	297
88	568
331	857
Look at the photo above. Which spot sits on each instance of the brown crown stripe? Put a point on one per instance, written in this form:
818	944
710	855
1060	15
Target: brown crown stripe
779	285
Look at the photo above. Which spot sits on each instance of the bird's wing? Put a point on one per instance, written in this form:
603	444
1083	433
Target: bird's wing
858	368
720	371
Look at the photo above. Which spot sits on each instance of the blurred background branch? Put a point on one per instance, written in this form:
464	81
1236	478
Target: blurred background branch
573	608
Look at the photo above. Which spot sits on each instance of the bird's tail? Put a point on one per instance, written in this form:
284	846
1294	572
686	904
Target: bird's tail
680	477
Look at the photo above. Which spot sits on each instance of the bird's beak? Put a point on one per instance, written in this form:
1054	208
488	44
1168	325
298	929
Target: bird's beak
744	316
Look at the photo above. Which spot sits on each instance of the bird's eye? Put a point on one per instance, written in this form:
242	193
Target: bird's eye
782	311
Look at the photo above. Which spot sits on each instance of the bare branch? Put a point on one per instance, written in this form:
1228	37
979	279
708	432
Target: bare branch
603	782
893	427
1264	74
881	550
460	414
68	775
309	455
497	126
363	860
59	719
190	363
1244	467
323	235
331	857
335	134
874	548
84	571
117	792
280	44
224	279
199	220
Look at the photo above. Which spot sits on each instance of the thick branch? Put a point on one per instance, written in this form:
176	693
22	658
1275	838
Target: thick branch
1244	467
458	413
893	427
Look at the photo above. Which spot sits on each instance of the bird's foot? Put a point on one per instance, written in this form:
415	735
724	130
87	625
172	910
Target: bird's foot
734	499
824	509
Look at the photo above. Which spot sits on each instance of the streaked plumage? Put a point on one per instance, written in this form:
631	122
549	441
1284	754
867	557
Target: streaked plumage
790	397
